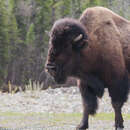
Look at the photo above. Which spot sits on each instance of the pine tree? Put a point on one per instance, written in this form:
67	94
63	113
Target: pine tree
30	37
3	41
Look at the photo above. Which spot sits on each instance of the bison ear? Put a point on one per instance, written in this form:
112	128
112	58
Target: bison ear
79	42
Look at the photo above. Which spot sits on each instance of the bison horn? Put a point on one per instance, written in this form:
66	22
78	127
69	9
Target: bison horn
79	37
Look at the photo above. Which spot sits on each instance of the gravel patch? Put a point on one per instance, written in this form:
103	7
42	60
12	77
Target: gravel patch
59	100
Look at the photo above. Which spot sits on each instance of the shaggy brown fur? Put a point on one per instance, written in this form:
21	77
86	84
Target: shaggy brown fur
109	35
100	58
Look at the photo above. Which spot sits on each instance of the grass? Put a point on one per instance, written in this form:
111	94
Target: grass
47	119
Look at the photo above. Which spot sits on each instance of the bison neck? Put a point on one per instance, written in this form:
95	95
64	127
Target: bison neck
85	63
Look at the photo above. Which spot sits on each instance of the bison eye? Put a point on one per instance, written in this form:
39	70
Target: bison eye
54	50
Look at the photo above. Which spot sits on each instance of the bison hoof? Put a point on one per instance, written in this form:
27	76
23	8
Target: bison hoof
119	128
81	127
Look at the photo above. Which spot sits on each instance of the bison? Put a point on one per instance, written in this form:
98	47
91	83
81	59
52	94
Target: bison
96	50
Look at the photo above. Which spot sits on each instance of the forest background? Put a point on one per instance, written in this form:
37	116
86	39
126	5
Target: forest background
24	28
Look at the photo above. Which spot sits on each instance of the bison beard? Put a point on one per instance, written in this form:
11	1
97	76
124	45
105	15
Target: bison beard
95	50
60	77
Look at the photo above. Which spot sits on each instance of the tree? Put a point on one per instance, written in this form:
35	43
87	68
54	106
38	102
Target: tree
3	41
24	29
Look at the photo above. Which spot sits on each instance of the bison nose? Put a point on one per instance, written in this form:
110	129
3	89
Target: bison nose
50	67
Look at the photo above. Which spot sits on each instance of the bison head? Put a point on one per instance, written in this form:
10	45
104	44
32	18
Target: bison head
67	38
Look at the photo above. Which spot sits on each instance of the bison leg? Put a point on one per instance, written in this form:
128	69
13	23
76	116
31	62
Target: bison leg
84	123
118	116
89	100
119	95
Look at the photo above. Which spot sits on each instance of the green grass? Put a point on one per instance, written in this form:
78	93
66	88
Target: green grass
62	116
46	119
110	116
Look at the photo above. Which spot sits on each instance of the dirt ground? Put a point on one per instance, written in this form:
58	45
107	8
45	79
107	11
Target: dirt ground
59	109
